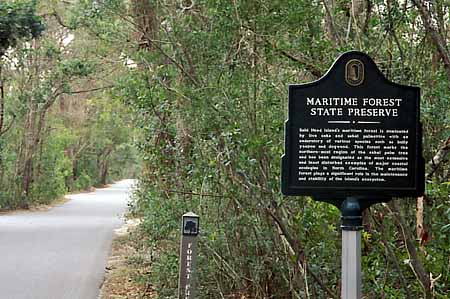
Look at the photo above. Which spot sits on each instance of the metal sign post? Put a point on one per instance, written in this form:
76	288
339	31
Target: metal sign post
353	133
353	139
351	248
188	256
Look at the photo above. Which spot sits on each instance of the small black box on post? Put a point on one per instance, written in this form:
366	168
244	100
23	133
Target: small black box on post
190	224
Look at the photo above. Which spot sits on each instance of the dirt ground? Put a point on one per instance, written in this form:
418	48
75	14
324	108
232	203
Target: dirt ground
128	267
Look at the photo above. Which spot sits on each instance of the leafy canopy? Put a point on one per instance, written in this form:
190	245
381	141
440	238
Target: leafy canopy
18	20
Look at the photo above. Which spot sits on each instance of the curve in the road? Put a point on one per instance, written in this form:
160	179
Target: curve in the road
61	253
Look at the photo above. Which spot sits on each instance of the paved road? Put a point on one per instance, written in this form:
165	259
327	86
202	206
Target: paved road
60	253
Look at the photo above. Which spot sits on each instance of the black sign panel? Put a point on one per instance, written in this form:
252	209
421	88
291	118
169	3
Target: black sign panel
353	133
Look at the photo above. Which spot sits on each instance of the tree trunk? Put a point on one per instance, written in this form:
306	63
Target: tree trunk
330	24
103	172
27	176
2	100
27	162
2	111
147	23
361	13
439	41
414	260
419	217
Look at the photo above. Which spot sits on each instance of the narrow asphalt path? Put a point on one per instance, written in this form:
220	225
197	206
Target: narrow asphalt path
61	253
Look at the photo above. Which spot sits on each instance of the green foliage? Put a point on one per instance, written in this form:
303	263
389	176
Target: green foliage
18	20
54	168
83	182
61	136
205	88
75	67
209	95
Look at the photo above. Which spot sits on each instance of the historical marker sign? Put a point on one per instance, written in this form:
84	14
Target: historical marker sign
353	133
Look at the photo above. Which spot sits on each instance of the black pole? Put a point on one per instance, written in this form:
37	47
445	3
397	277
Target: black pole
351	214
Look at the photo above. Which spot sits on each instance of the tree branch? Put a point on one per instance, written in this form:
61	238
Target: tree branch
439	158
308	66
391	253
436	37
296	248
9	126
194	193
300	60
84	91
60	21
408	239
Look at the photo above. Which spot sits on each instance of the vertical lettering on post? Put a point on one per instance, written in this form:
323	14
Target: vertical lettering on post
188	255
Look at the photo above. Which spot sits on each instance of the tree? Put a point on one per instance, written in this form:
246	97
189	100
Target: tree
54	143
18	21
206	81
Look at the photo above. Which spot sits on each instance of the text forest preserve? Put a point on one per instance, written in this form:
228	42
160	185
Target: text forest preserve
352	135
382	106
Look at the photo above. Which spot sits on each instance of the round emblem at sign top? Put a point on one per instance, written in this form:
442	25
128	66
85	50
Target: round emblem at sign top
354	72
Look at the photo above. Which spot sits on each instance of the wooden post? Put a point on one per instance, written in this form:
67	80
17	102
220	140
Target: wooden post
188	256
